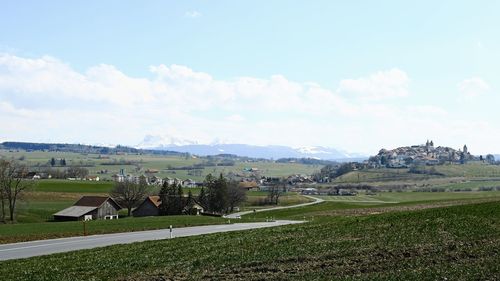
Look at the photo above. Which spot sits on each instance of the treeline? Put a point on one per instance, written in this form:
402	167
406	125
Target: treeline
82	148
62	173
115	162
200	166
332	171
173	201
217	196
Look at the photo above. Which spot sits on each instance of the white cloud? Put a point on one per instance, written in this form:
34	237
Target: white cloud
473	87
384	84
44	99
192	14
235	118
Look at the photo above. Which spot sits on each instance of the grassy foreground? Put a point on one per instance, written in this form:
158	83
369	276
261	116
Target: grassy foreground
452	243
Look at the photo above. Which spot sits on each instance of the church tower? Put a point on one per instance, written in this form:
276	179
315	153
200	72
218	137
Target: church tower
465	149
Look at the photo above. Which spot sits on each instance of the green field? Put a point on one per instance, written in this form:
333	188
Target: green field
452	243
434	196
94	163
73	186
411	196
470	171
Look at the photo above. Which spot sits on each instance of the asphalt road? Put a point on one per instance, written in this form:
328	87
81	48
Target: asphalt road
239	214
46	247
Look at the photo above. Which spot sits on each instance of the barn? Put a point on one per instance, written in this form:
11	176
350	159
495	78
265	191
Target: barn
149	207
90	207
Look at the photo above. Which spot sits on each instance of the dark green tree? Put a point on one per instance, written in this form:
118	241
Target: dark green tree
216	194
221	197
163	194
52	162
179	200
210	184
202	198
172	201
190	203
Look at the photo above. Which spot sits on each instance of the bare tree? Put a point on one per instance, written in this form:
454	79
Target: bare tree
129	194
235	195
77	172
13	183
275	192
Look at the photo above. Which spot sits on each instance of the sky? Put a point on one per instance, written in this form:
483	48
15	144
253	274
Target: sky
352	75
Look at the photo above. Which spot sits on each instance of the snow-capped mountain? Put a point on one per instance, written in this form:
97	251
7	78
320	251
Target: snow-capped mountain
255	151
160	142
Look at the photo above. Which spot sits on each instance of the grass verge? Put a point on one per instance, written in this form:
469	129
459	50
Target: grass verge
11	233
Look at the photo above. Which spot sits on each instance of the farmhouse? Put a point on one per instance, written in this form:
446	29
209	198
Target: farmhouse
193	208
118	177
150	207
90	207
309	191
249	185
189	183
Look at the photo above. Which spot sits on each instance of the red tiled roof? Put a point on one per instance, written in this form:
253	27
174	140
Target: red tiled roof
155	200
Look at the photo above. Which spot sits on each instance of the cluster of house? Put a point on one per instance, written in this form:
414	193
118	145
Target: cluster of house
264	183
426	154
103	207
154	180
299	179
332	191
44	175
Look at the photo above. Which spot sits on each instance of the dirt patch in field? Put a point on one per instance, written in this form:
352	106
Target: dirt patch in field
56	196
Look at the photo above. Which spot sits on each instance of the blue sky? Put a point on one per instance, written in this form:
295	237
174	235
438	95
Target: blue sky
297	73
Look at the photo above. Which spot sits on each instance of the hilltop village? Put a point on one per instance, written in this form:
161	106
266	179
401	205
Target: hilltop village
425	154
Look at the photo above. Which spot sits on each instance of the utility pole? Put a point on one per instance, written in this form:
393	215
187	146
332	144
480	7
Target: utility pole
84	229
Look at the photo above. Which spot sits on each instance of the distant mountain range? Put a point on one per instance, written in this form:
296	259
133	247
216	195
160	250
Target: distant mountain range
254	151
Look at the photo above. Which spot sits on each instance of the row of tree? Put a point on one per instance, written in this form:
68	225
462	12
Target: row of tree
220	195
172	199
217	196
53	162
332	171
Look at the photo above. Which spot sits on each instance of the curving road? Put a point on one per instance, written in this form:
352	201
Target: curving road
239	214
51	246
